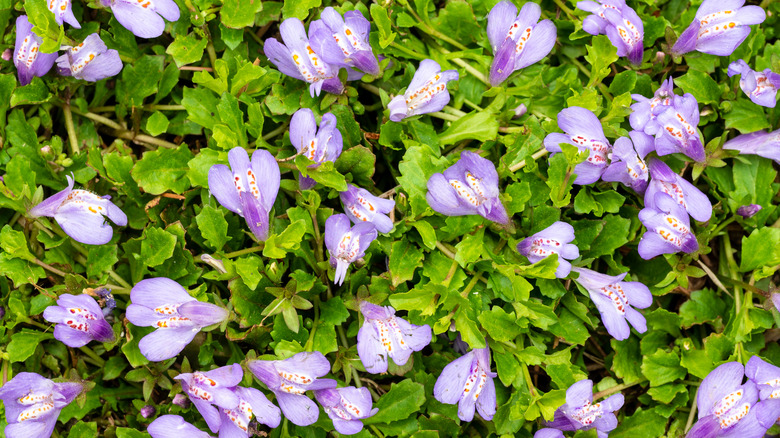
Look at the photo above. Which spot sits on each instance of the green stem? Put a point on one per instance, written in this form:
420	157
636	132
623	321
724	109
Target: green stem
73	139
723	225
88	351
244	251
454	111
445	250
280	130
692	414
49	268
430	30
413	53
616	388
444	116
466	66
565	9
528	381
310	342
120	280
538	154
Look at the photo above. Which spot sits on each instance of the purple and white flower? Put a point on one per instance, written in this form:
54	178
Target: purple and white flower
719	27
90	61
580	413
468	382
346	407
620	23
541	433
383	334
760	87
583	130
617	301
766	377
297	59
209	388
63	12
144	18
668	229
346	244
748	211
628	164
761	143
645	111
28	58
79	320
727	407
81	214
164	304
174	426
361	206
247	188
678	132
664	180
427	93
251	403
551	240
470	186
289	379
33	403
344	41
517	40
320	145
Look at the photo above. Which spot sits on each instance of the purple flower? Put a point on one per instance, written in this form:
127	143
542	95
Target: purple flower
719	27
147	411
766	377
596	24
33	403
748	211
143	17
174	426
320	145
289	379
298	60
628	164
249	189
63	12
541	433
663	180
645	111
470	186
427	93
106	300
580	413
761	87
517	40
728	408
90	61
361	206
79	320
214	387
621	24
583	130
520	111
616	300
384	334
668	229
182	401
251	402
28	59
81	214
344	41
346	244
346	407
551	240
468	382
678	132
763	144
178	317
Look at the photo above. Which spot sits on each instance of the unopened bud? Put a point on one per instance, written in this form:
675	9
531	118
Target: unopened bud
750	210
181	400
7	54
214	263
520	111
147	411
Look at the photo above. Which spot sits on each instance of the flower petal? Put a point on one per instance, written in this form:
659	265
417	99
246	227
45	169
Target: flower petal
223	188
157	292
299	409
449	386
164	344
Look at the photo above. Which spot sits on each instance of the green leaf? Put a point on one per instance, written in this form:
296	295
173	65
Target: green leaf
500	325
23	344
83	430
241	13
14	243
277	246
358	161
249	269
746	117
139	80
480	126
662	367
642	423
325	173
417	166
100	259
157	124
383	24
701	85
703	306
213	226
187	49
760	248
404	259
157	246
162	170
403	399
32	93
601	54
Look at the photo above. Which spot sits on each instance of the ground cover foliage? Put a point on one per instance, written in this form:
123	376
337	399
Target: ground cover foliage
149	136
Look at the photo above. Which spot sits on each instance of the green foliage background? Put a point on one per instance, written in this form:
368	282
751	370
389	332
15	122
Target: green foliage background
149	136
